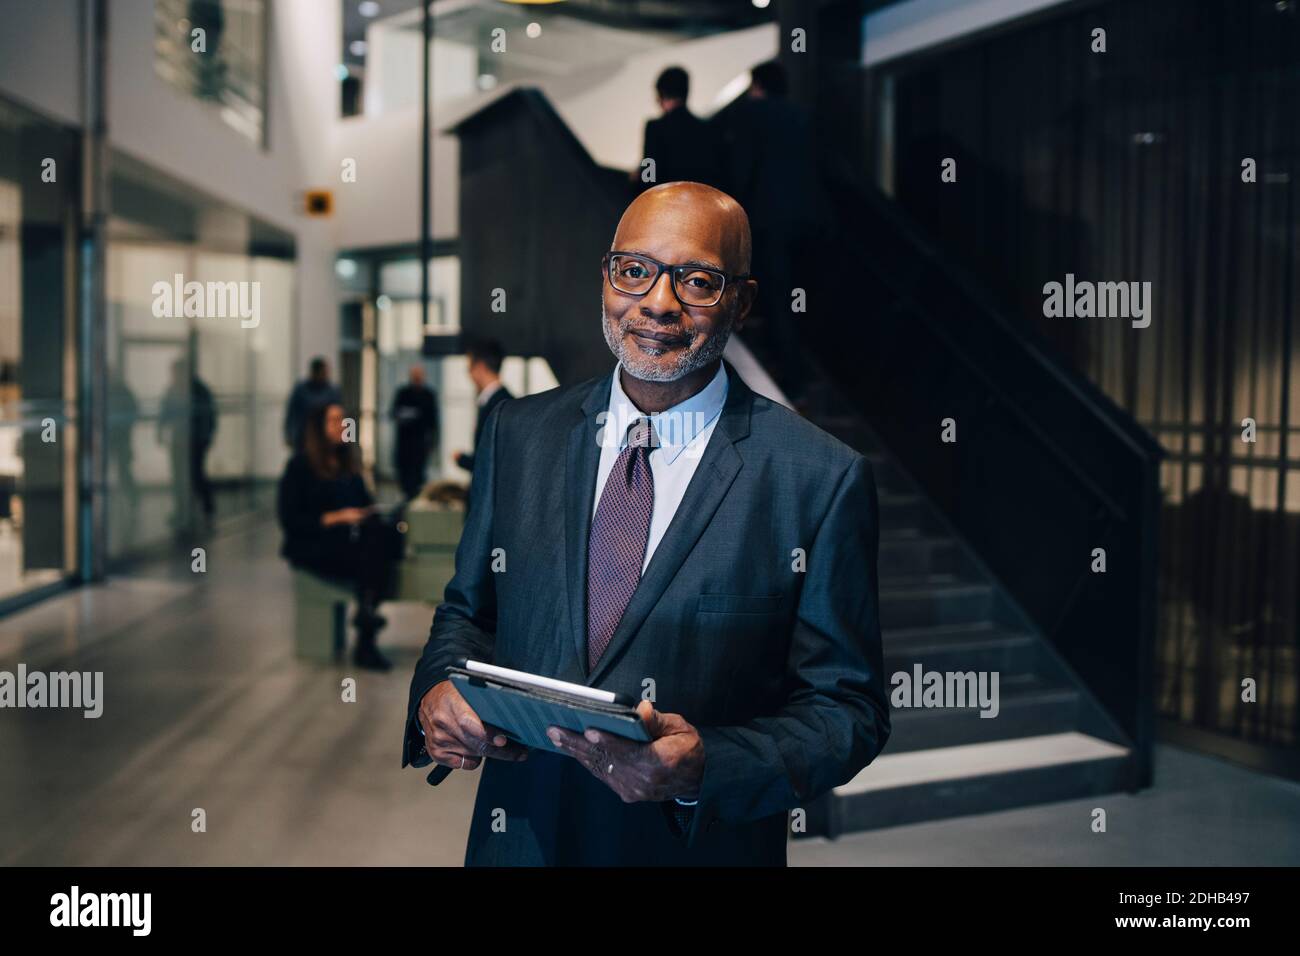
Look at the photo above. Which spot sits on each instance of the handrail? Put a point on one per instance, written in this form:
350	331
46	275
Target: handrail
518	155
1074	469
1103	408
537	103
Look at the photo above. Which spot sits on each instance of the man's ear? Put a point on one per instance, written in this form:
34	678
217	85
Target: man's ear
745	293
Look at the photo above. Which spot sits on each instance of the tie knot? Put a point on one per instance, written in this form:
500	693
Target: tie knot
641	434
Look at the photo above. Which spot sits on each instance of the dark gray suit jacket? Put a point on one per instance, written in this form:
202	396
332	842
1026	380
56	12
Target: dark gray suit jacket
779	669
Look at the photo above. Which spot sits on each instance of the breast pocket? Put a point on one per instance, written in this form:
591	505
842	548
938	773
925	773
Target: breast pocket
741	644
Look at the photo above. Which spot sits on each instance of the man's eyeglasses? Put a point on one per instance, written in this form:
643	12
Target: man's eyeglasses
697	286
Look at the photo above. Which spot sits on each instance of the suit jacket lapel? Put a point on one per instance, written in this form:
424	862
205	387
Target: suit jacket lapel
582	460
708	486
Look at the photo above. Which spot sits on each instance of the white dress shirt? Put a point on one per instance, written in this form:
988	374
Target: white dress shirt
683	432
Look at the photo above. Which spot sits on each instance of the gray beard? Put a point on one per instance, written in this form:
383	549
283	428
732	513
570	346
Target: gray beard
639	366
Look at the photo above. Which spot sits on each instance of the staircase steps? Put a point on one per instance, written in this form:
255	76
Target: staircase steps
941	611
905	787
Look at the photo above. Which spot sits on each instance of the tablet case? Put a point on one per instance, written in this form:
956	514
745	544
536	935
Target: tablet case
524	712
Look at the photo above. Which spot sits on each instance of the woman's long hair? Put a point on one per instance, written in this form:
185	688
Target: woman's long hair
326	459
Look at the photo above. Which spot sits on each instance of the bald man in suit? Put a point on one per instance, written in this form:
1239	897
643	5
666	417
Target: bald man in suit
669	535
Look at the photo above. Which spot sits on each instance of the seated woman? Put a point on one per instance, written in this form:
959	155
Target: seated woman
331	529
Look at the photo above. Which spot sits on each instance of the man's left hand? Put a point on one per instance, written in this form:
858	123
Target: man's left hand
671	765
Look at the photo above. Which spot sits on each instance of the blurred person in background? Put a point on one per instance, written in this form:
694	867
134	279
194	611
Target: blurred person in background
310	393
187	423
772	174
123	413
210	69
485	358
415	415
331	528
682	145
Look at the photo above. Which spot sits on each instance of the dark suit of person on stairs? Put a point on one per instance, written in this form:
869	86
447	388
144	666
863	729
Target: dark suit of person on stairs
485	357
772	169
670	535
683	146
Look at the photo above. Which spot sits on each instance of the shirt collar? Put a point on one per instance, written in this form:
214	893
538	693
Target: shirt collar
675	427
487	393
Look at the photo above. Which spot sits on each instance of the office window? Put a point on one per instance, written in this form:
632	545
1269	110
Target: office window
215	51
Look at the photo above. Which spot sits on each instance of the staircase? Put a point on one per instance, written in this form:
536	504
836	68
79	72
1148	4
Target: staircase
941	610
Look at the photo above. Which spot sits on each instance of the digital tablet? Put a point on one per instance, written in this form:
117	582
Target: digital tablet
523	705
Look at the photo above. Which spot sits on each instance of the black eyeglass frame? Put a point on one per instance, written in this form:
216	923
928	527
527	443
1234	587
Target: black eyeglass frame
607	262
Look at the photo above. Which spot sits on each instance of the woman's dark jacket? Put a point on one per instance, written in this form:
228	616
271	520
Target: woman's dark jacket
303	497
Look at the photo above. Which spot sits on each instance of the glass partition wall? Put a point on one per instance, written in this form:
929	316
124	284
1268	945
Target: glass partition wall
38	438
382	336
196	401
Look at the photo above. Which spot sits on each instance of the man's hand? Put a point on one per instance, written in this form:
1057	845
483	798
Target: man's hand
455	737
671	765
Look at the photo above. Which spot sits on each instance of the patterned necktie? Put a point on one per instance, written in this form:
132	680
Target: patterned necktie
619	532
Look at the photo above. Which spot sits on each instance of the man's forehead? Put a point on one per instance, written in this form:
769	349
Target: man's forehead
665	249
677	232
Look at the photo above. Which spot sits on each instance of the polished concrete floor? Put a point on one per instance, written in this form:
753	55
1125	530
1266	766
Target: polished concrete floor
207	709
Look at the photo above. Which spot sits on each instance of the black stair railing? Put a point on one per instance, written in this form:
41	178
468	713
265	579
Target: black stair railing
1044	468
536	215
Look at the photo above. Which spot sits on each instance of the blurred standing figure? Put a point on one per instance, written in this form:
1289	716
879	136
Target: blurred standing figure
682	145
773	176
312	392
415	413
123	411
485	358
187	423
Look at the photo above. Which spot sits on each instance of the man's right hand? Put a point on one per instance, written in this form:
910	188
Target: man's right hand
455	737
